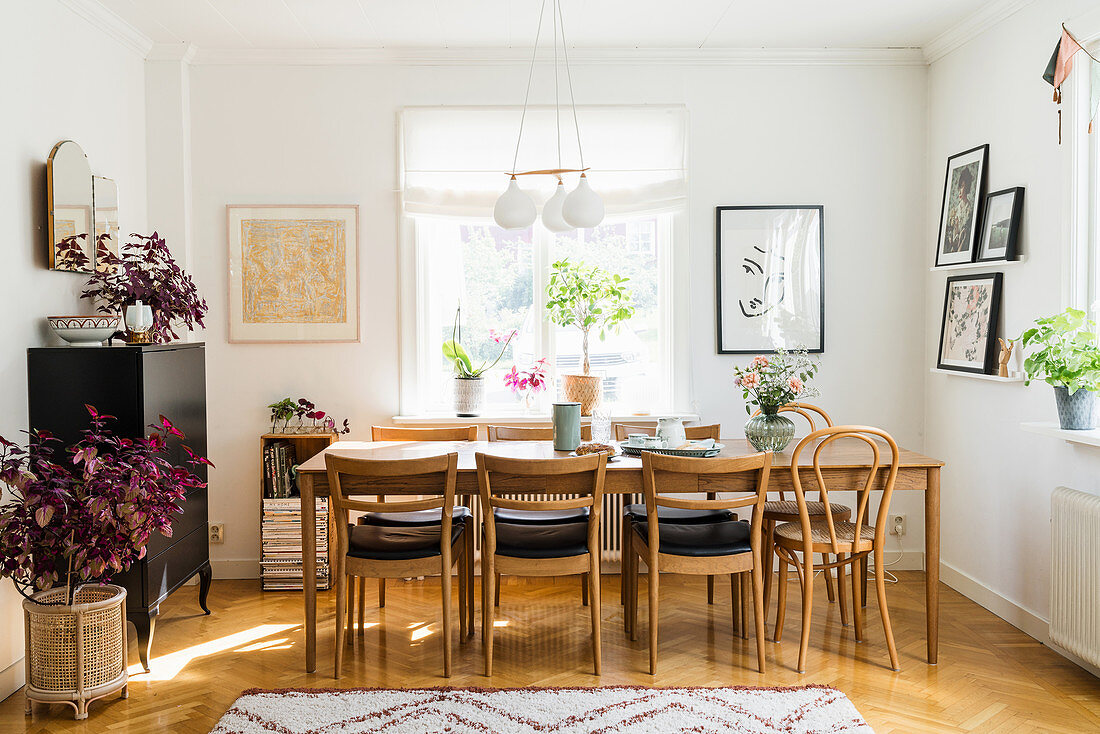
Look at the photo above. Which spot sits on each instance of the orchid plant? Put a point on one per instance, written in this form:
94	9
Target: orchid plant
529	381
86	512
771	382
454	352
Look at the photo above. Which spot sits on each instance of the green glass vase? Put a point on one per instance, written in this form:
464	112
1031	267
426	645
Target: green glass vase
769	431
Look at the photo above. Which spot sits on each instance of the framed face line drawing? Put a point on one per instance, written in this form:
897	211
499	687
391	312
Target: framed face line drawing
770	278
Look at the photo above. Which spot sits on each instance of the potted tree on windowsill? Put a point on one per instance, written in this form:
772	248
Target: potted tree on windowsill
74	518
1063	353
469	385
589	298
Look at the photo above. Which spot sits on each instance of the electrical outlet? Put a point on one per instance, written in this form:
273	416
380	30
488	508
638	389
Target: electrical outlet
897	525
217	532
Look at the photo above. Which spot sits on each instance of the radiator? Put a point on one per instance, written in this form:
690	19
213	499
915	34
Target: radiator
1075	573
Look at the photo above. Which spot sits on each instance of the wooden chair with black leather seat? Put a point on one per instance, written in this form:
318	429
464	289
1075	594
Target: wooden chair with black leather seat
849	542
510	546
702	548
383	550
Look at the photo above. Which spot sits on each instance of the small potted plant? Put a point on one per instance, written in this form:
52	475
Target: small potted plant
770	383
76	516
1063	353
145	272
528	382
588	298
282	410
469	389
286	409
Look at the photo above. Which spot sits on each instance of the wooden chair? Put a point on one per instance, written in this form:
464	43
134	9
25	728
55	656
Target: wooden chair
635	512
564	548
726	546
387	551
393	433
530	433
785	510
850	542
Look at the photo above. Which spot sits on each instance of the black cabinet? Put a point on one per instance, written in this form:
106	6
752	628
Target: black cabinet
136	384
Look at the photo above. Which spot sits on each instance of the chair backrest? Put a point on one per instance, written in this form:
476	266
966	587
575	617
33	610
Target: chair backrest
808	412
824	438
581	475
694	433
392	433
431	479
530	433
682	474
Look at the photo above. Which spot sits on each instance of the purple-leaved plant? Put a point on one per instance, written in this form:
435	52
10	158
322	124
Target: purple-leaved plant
145	271
86	512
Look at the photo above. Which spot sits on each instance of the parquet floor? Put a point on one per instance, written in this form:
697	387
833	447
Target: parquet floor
991	677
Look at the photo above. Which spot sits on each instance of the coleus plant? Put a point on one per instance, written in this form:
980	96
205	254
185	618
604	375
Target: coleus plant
86	511
146	271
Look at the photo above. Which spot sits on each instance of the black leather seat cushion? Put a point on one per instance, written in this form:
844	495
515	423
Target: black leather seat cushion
700	539
636	513
421	517
541	517
397	542
541	533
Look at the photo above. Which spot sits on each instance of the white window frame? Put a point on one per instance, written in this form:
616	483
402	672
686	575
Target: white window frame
1081	212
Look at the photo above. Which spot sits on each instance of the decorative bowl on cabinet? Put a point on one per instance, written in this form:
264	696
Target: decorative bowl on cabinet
84	331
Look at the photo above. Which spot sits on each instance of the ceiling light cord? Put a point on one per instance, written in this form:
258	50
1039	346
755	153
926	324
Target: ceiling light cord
557	111
527	94
572	99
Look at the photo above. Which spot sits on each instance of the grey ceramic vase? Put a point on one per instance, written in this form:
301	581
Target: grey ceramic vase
1076	412
769	431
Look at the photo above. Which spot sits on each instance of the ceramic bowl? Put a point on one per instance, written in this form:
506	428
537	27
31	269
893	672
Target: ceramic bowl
84	331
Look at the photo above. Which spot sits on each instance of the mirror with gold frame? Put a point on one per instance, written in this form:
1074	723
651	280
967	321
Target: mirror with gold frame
70	204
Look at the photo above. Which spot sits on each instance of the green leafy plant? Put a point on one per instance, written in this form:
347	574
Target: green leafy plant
460	359
1063	351
587	297
283	411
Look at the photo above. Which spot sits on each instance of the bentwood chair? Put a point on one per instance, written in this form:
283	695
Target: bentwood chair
723	546
635	512
849	542
401	551
786	510
525	549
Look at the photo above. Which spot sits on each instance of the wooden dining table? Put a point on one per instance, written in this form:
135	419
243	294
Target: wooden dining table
843	465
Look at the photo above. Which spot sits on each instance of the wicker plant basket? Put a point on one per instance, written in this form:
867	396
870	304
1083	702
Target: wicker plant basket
583	389
75	653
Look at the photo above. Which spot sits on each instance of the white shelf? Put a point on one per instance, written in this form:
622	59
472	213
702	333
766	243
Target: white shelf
979	266
977	376
1089	438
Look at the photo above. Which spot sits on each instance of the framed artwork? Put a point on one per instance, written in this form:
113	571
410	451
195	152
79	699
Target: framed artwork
293	273
770	278
1001	224
968	334
960	213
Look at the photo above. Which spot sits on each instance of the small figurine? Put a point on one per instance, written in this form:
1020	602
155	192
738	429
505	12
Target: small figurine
1006	355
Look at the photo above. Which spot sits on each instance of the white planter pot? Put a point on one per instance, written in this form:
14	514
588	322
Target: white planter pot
469	396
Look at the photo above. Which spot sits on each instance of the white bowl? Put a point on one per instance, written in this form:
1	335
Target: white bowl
84	331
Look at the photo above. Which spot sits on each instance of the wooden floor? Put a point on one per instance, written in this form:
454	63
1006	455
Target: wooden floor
991	677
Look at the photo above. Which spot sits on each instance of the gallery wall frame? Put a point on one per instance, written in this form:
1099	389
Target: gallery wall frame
1001	225
968	326
964	188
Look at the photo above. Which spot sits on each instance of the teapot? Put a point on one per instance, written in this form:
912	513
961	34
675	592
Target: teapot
671	430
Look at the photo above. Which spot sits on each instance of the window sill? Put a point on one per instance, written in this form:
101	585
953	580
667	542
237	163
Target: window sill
1088	438
504	418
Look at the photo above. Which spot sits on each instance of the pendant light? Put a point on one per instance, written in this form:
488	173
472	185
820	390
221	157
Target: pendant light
562	212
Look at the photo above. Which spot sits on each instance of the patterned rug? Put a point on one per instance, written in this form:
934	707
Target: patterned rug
618	709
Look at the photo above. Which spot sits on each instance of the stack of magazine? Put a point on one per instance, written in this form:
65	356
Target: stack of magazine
279	462
281	534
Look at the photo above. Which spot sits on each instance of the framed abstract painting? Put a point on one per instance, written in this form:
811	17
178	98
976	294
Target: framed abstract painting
968	333
770	278
1001	225
960	212
293	273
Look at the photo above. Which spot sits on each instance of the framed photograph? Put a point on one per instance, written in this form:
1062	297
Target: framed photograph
293	273
968	334
1001	224
960	213
770	273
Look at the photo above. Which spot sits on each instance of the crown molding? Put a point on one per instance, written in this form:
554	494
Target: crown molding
111	24
514	55
972	25
183	52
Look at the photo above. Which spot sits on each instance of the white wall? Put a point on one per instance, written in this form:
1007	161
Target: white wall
79	85
998	479
849	137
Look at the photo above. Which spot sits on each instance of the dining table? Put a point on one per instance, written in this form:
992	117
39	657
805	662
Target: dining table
843	465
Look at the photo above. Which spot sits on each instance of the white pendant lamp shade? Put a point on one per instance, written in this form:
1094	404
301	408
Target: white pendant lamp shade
583	207
514	209
551	211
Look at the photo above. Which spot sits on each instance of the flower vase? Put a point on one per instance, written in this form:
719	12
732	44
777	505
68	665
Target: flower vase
769	430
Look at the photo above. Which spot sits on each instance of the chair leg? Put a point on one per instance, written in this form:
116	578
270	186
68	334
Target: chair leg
381	593
841	599
584	589
710	589
735	606
632	599
653	617
768	560
488	610
746	592
624	538
863	576
462	594
828	574
781	603
362	588
470	574
445	582
807	608
857	604
350	632
758	606
594	606
880	587
341	604
496	590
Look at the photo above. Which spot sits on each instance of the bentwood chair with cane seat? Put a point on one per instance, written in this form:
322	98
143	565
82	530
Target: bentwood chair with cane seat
635	512
401	551
723	546
849	542
526	549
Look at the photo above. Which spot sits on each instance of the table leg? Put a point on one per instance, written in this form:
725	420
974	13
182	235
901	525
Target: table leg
932	562
309	567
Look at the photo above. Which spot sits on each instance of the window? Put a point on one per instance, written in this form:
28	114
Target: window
1081	269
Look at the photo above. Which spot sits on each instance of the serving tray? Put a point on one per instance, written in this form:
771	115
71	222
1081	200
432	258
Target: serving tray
693	453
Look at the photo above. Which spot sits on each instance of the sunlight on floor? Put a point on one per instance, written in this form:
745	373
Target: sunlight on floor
421	632
167	667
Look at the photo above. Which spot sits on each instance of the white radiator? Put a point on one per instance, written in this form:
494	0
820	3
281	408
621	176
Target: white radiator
1075	573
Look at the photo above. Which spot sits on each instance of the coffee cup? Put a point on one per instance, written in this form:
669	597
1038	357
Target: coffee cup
636	439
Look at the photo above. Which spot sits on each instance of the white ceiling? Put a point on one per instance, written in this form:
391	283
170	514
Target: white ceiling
435	24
